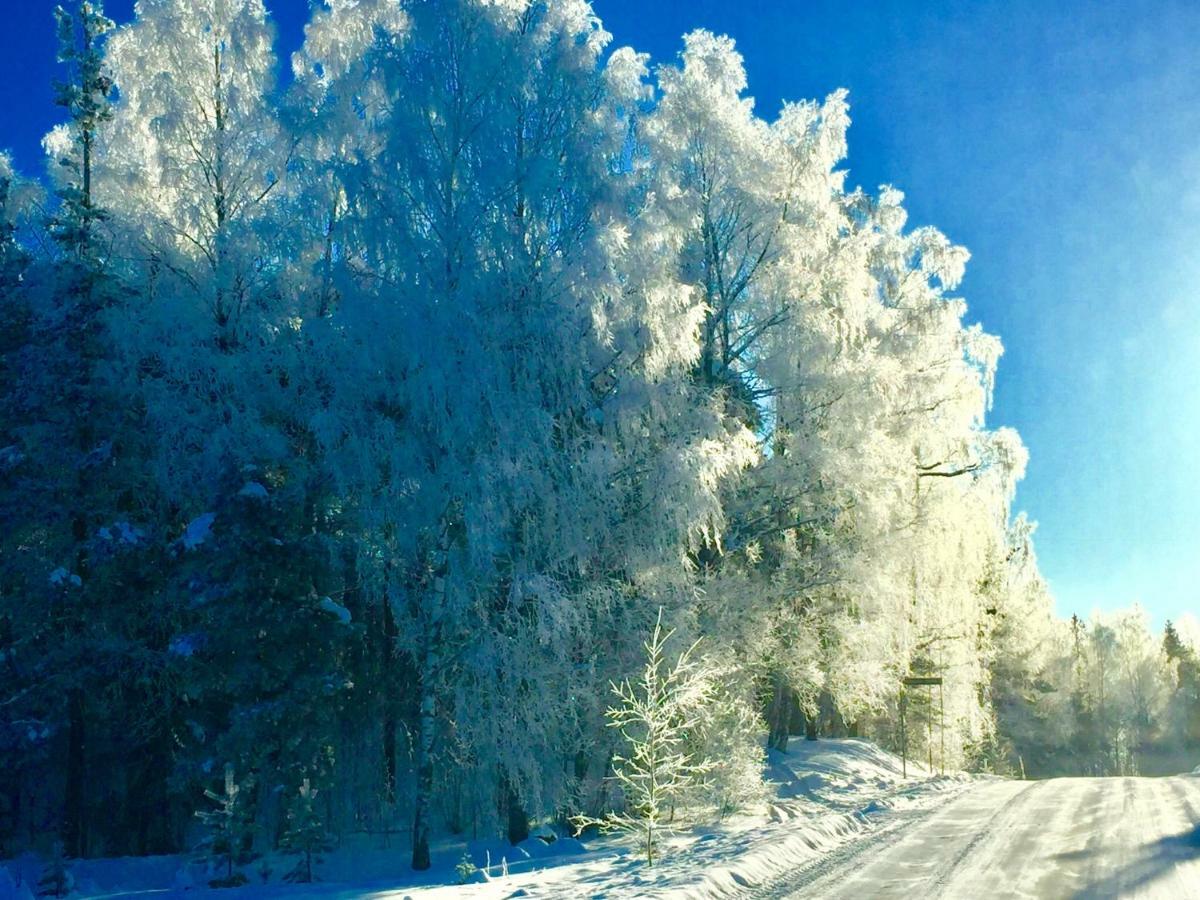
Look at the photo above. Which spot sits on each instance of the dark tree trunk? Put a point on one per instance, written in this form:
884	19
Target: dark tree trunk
74	810
426	725
779	715
811	727
420	832
796	719
387	670
581	766
518	821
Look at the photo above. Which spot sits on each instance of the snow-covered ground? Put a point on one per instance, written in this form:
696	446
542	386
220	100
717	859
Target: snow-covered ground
843	824
1069	838
826	796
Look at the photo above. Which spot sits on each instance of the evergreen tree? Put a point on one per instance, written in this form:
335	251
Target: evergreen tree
68	412
86	98
261	652
229	831
1182	714
305	834
657	718
56	880
359	431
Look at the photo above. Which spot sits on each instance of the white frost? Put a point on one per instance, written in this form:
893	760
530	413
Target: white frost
61	576
331	606
253	490
197	531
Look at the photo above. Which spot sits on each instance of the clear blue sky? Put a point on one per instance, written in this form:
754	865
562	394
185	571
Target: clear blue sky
1060	142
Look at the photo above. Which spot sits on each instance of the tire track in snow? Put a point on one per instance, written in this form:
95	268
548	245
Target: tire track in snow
1040	855
1111	864
1102	831
834	863
996	831
1068	839
838	873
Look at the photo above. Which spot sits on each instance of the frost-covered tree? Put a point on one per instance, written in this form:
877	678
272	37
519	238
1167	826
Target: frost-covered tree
828	330
729	735
306	835
1023	653
356	431
518	367
19	199
657	717
749	198
86	96
56	879
195	153
229	831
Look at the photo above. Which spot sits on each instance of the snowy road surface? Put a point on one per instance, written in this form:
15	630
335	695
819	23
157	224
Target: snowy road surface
1070	838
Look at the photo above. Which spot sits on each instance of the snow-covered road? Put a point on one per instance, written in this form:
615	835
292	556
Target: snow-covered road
1064	838
844	822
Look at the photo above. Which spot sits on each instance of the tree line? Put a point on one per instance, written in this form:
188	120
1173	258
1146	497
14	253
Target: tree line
356	432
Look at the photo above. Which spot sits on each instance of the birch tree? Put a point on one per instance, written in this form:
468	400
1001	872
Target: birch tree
195	154
356	432
485	229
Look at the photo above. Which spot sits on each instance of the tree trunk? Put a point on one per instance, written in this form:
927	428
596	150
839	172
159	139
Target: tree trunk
796	719
518	821
388	688
74	824
420	830
427	715
780	715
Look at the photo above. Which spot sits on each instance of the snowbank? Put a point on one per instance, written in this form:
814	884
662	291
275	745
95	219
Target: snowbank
825	795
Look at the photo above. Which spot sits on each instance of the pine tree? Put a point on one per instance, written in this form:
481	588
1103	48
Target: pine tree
266	677
306	834
56	880
85	96
230	831
86	413
1182	715
657	717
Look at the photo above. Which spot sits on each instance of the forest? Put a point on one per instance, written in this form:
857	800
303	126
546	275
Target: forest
358	427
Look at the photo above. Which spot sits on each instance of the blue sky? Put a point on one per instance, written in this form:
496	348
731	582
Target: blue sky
1060	142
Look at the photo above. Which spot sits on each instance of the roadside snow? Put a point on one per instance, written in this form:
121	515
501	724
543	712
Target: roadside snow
826	794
